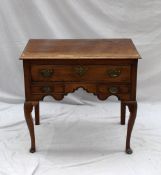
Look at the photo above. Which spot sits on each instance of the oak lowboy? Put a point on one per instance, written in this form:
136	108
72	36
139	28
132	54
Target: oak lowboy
103	67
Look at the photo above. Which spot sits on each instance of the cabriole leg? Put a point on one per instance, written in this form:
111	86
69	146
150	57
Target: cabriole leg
132	105
28	107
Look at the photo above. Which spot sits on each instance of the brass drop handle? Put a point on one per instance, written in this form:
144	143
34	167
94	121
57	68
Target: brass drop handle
46	89
46	72
113	90
80	70
113	73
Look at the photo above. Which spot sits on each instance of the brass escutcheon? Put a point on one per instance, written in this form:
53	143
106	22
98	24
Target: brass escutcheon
46	72
113	73
80	70
46	89
113	90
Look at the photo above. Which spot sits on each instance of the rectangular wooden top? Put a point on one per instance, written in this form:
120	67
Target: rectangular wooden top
80	49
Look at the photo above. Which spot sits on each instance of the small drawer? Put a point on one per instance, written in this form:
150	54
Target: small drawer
47	89
113	89
94	73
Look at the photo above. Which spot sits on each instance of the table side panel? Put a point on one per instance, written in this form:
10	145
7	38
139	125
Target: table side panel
133	84
27	80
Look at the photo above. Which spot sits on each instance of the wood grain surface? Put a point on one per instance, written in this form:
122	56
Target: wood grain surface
80	48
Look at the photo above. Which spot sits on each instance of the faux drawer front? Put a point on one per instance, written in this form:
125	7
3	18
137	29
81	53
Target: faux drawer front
80	73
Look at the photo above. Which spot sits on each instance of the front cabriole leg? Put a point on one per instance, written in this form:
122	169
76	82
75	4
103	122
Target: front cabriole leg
28	107
132	106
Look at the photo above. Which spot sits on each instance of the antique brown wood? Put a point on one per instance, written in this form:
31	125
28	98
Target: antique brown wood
103	67
80	73
123	112
37	115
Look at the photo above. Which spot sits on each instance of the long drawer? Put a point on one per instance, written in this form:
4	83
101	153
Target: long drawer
110	73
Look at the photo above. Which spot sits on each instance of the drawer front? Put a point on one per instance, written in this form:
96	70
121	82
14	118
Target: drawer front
109	73
123	92
113	89
47	89
103	91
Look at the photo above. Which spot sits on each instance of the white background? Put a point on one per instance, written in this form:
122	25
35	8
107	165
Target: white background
85	138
